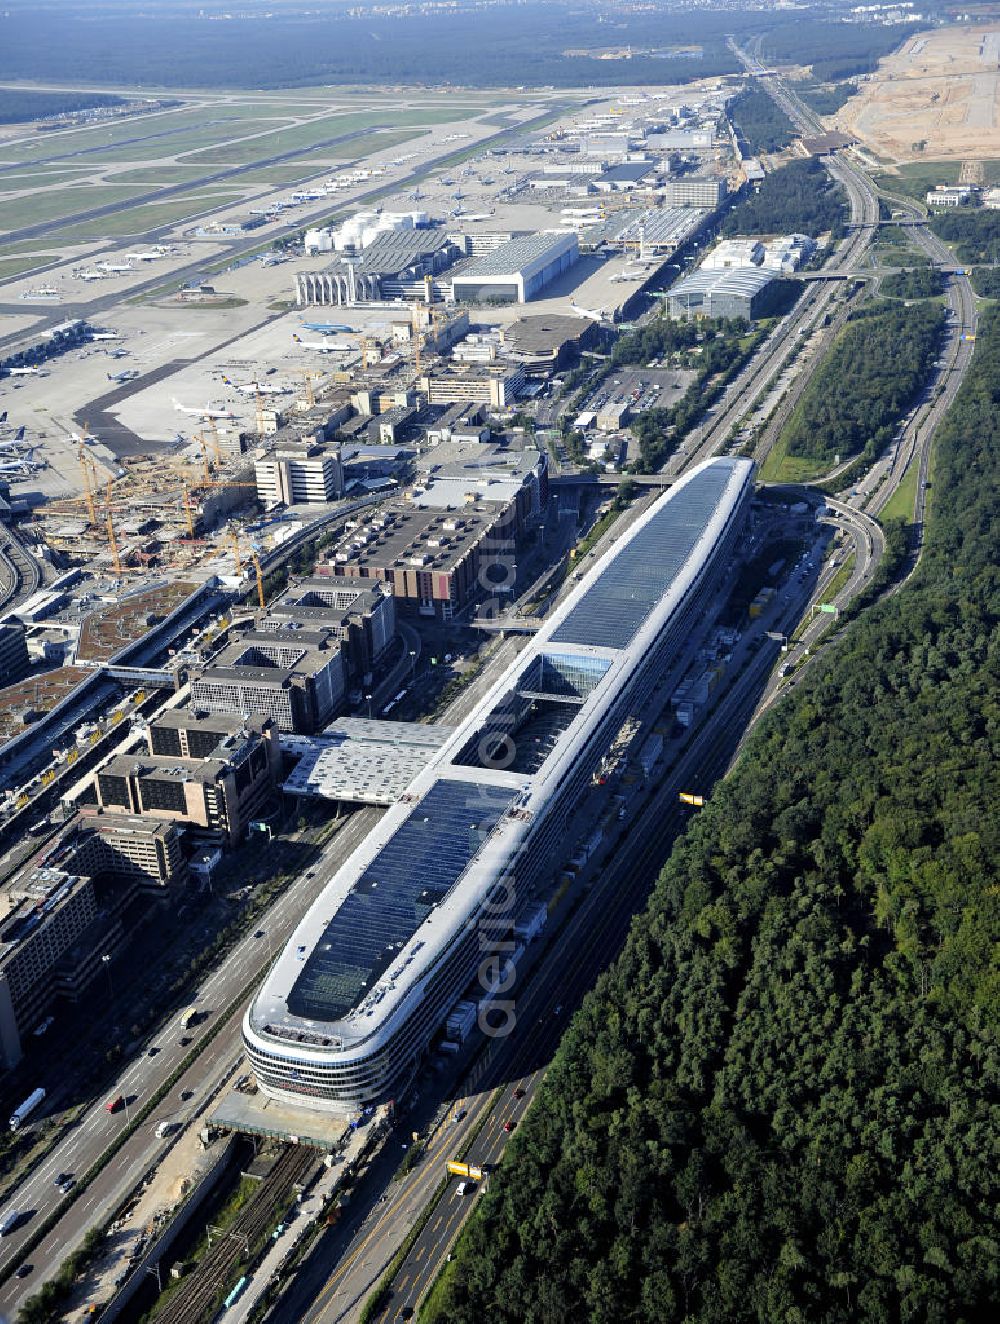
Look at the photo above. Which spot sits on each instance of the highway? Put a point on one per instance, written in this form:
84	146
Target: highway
20	573
139	1080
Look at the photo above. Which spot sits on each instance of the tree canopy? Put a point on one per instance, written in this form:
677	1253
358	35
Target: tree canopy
780	1103
800	197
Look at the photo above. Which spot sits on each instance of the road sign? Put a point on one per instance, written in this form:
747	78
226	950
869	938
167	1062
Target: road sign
829	607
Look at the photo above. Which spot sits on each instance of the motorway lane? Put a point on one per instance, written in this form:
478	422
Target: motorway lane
141	1077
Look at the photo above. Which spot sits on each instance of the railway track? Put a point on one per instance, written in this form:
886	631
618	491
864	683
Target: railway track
197	1299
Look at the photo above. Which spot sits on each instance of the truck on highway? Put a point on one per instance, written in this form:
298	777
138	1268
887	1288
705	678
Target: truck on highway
20	1114
190	1017
10	1222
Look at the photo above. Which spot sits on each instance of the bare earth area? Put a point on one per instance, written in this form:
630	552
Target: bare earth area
937	97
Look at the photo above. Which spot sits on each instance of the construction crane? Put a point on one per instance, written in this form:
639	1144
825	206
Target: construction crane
88	492
238	558
188	513
200	438
310	377
116	560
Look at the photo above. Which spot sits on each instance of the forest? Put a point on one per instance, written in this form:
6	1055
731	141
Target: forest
178	44
919	282
975	234
833	51
986	281
19	105
800	197
825	99
761	124
867	382
780	1102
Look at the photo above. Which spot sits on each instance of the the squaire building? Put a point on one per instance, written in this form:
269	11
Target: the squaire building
395	938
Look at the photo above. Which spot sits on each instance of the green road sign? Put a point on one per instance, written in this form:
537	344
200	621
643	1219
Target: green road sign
828	607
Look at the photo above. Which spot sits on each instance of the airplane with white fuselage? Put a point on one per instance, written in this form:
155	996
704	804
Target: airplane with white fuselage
206	412
328	328
325	346
128	375
258	388
105	335
26	372
151	256
592	314
115	268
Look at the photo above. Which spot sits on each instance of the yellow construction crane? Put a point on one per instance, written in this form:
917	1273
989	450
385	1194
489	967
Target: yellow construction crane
200	438
260	578
187	512
116	560
310	377
88	492
237	556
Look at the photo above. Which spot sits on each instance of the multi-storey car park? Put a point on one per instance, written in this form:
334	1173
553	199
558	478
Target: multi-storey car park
373	968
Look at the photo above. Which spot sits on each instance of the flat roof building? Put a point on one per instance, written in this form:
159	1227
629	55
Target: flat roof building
308	473
518	270
14	662
395	262
219	794
694	191
372	970
297	678
361	615
746	292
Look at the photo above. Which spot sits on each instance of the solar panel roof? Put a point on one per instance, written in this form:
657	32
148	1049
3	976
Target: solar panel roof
613	610
412	873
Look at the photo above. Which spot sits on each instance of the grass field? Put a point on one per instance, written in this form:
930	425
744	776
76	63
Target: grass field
137	220
150	176
900	504
34	207
13	266
917	178
780	467
39	178
306	135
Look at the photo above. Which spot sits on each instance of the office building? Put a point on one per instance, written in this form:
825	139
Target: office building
55	909
518	270
394	265
129	848
373	969
362	616
297	678
497	386
218	795
14	662
303	473
694	191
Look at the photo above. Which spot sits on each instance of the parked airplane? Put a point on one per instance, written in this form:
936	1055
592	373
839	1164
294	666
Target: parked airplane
327	328
151	256
127	376
105	335
26	372
206	412
117	268
90	275
324	346
258	388
592	314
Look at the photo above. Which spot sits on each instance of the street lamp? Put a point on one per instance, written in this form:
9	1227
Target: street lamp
106	962
368	700
413	664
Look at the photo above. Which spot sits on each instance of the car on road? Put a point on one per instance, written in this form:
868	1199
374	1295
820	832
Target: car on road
23	1270
113	1105
184	1040
508	1126
259	933
154	1050
67	1184
519	1093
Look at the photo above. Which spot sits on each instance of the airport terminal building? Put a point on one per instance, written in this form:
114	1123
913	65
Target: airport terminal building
374	967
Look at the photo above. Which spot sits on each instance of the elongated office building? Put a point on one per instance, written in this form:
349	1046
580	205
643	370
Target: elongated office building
396	937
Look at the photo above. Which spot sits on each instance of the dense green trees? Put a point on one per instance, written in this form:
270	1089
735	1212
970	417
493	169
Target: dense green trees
986	281
825	100
761	125
17	106
919	282
867	382
800	197
780	1102
974	234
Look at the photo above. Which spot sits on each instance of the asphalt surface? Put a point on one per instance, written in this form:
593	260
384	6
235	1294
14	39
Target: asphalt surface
83	1144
